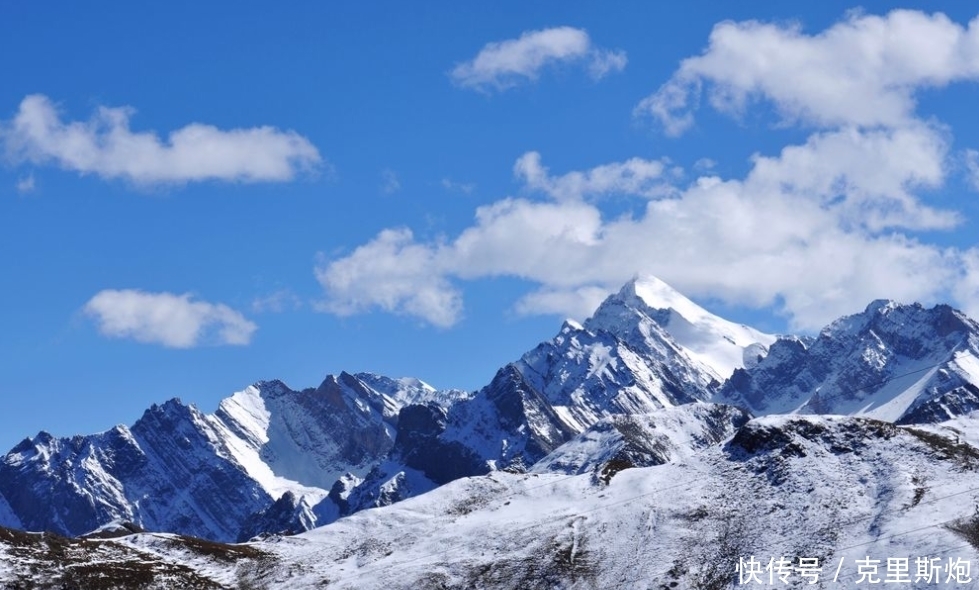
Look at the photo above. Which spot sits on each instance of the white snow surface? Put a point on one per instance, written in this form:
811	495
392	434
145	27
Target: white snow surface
962	429
670	434
828	486
285	449
247	409
892	362
788	486
112	527
709	339
267	438
893	398
714	341
503	530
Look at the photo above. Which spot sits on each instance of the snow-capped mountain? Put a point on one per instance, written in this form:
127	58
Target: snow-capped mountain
899	363
163	473
178	469
831	489
628	388
647	303
623	361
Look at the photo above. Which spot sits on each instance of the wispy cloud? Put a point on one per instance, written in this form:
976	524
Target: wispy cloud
635	176
390	183
458	187
26	184
971	159
504	64
704	165
175	321
106	146
276	302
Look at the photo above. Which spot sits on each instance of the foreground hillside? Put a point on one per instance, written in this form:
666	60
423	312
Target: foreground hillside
830	488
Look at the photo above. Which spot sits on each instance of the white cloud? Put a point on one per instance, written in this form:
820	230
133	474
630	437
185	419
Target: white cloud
821	227
106	146
863	71
26	184
395	274
870	175
461	187
971	160
504	64
814	227
577	303
175	321
704	165
389	182
604	61
967	286
634	177
276	302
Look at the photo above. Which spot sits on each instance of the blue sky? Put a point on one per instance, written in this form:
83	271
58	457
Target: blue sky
195	198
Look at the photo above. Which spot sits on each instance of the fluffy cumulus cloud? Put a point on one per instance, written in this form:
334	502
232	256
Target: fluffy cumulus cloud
747	241
819	228
106	146
175	321
394	273
504	64
863	71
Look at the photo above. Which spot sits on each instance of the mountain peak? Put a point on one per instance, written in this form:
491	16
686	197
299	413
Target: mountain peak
895	362
713	341
881	306
903	320
656	294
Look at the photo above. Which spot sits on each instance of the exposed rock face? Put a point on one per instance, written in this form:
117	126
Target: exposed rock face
264	457
289	515
833	488
900	363
643	440
629	388
162	475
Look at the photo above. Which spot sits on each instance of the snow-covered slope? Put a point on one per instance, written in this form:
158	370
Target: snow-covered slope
712	341
833	489
162	474
213	476
825	488
586	374
900	363
642	440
